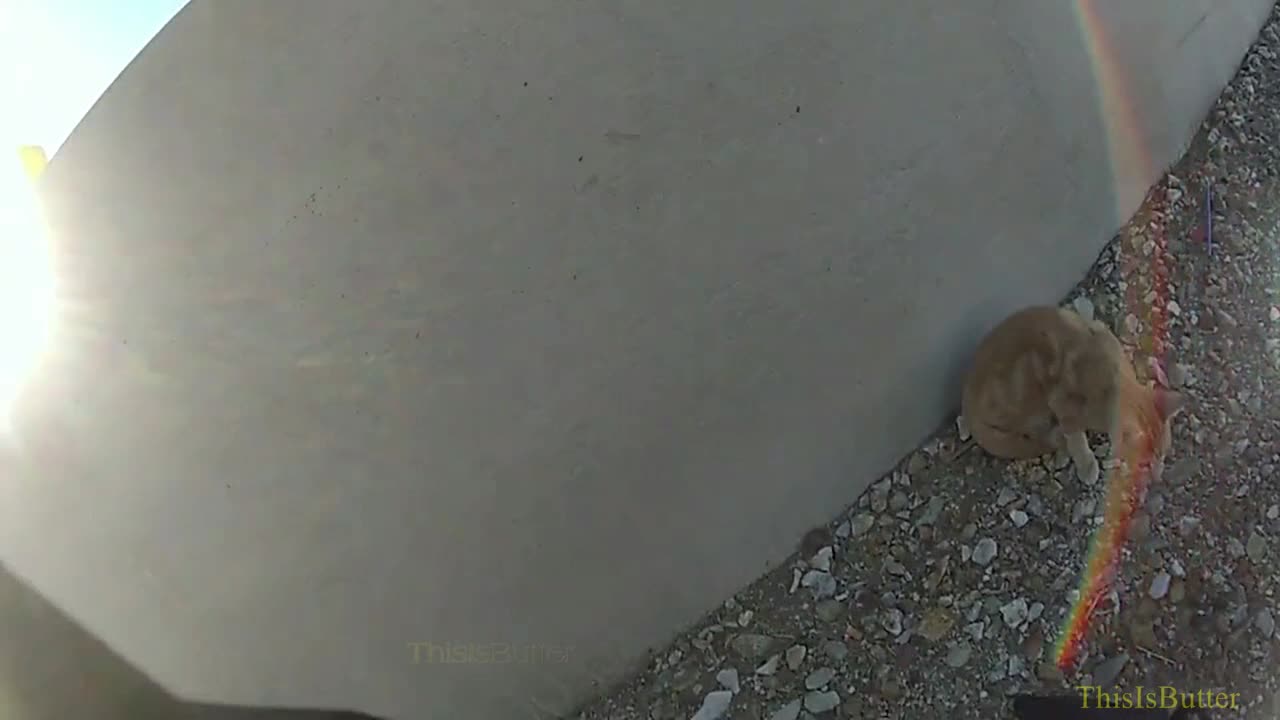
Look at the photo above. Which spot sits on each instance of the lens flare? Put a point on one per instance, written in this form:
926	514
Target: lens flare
26	284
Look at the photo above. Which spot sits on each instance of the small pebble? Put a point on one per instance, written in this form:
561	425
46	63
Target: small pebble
728	679
1256	548
821	560
1159	586
819	678
862	522
1014	613
795	656
820	702
1266	623
714	705
1083	307
836	650
1006	496
821	582
1035	611
984	551
958	656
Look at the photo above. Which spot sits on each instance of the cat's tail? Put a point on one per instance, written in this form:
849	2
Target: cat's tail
1005	444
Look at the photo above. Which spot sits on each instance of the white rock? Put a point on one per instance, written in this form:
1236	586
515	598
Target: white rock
1159	586
985	551
820	582
820	702
959	655
1265	622
1035	611
861	523
1256	548
1083	307
795	656
819	678
728	679
714	705
1015	612
822	559
1006	496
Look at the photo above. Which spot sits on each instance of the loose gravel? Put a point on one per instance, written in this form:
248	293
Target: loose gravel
944	587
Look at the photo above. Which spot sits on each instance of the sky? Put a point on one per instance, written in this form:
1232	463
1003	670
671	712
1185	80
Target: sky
58	56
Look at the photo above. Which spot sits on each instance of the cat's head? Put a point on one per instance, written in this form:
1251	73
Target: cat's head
1146	420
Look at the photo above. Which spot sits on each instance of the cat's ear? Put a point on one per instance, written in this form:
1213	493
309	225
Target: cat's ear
1157	371
1168	402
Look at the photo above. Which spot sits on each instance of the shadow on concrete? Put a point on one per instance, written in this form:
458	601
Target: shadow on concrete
51	668
244	712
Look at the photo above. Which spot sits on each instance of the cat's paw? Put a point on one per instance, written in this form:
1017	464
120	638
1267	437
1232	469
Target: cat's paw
1087	471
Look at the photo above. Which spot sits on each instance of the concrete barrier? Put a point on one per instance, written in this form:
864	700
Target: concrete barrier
437	359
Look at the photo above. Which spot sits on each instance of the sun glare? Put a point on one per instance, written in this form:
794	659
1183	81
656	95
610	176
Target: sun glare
26	284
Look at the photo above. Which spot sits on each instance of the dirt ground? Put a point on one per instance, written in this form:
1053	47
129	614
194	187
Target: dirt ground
944	587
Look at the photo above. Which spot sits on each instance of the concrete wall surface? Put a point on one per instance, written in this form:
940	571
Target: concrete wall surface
544	324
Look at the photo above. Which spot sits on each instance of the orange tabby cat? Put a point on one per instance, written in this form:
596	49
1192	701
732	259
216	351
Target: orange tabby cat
1045	375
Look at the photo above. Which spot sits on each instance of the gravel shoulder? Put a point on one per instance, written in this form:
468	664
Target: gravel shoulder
945	586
